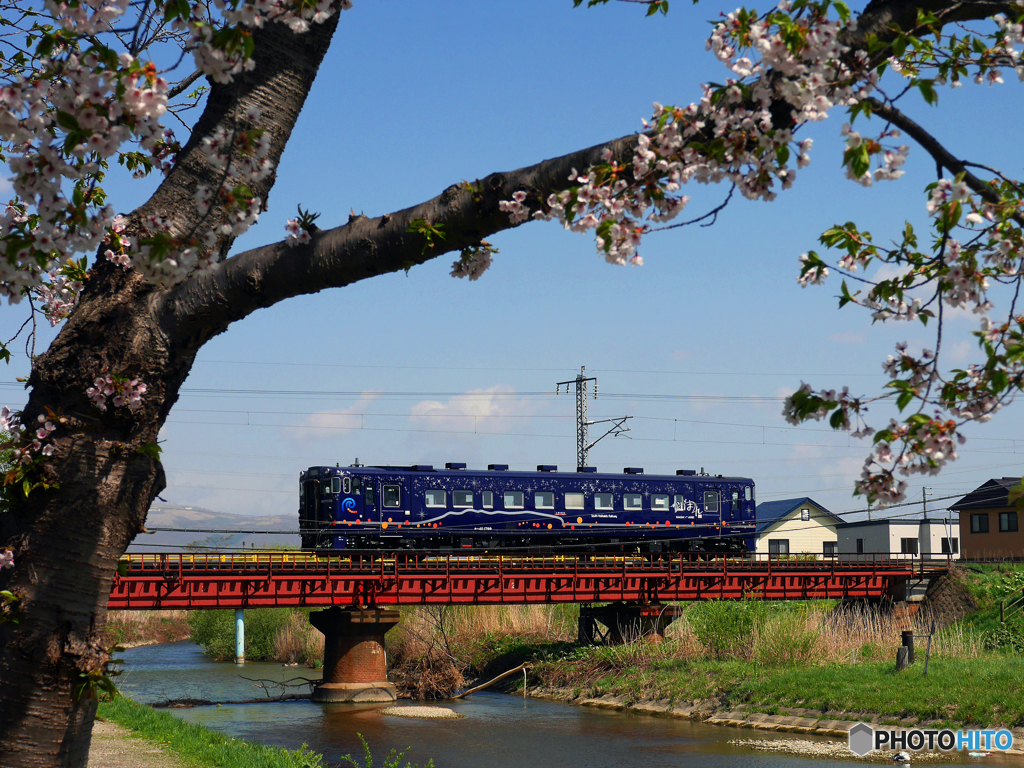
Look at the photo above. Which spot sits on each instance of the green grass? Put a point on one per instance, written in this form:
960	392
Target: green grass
959	691
198	747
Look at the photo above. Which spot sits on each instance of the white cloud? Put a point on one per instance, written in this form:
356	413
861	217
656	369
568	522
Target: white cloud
334	422
483	410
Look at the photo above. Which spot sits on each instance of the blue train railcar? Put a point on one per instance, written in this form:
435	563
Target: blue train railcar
387	507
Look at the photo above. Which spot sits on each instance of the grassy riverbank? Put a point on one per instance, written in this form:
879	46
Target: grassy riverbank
748	655
197	747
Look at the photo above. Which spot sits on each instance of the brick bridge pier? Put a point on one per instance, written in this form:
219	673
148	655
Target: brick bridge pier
355	664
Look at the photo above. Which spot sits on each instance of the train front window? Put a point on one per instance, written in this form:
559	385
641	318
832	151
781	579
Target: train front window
748	493
462	498
513	499
346	484
711	502
659	501
392	496
632	501
544	500
603	501
435	498
574	501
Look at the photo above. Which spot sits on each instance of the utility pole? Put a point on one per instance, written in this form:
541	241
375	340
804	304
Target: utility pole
582	423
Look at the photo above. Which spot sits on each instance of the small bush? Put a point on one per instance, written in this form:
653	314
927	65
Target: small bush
215	632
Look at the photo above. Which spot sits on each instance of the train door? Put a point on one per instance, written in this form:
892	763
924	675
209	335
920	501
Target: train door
732	510
390	503
711	497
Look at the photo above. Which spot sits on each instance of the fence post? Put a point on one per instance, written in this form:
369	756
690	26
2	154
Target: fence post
901	658
908	641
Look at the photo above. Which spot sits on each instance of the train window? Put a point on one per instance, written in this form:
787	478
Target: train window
749	493
574	501
487	498
462	498
370	496
632	501
735	501
392	496
711	501
659	501
335	485
347	484
602	501
436	498
679	502
544	500
513	499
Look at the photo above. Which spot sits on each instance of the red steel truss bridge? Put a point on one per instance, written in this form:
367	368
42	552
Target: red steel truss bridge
358	580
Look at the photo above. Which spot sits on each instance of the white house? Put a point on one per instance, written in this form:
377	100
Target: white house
913	537
796	526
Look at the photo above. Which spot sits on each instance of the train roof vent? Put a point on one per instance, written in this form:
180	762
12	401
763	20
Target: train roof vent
633	470
422	467
455	465
687	472
498	467
586	469
547	467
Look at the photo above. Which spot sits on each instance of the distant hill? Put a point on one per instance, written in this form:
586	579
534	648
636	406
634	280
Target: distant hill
213	529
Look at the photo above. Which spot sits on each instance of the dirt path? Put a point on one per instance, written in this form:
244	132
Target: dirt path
114	747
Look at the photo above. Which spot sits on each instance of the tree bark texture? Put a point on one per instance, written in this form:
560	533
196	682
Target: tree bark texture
67	540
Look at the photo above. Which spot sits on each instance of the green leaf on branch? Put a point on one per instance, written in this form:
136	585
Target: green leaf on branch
927	88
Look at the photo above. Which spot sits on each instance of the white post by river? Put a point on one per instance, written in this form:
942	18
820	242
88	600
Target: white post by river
239	635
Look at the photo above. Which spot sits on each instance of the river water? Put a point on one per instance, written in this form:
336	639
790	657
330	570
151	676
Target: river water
497	730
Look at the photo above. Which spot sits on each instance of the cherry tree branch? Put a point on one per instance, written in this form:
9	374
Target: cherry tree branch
365	247
204	305
943	157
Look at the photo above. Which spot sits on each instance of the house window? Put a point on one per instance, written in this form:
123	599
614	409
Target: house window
860	546
830	548
462	498
392	496
778	546
1007	522
436	498
574	501
950	546
908	546
544	500
805	515
979	523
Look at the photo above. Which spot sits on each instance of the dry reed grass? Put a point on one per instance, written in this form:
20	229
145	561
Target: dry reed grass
134	628
299	642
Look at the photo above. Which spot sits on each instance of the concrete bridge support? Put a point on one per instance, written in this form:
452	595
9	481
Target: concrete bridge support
355	665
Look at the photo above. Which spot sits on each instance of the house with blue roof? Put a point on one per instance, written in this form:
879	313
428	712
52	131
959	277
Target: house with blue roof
796	526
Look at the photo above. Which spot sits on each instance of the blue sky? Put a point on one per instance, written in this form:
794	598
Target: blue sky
699	345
